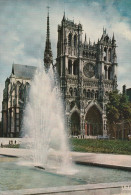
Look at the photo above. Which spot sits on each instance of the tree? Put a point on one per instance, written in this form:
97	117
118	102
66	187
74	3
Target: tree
119	114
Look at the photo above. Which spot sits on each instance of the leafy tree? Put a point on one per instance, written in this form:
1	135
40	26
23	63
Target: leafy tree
118	113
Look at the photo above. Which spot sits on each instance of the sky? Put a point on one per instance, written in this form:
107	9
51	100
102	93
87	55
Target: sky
23	30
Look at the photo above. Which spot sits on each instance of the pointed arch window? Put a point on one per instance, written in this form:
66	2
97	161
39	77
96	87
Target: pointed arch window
75	67
75	40
75	92
109	55
70	67
69	39
105	50
88	94
92	94
109	73
106	93
71	91
106	39
21	93
84	92
105	68
96	95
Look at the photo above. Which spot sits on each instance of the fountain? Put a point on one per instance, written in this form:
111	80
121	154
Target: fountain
44	129
45	133
44	123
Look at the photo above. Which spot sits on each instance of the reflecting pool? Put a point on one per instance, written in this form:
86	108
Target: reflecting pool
14	176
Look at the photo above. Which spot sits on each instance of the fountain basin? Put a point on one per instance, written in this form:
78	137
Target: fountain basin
14	176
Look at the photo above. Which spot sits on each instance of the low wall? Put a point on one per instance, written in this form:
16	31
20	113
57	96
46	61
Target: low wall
118	188
6	141
14	152
84	137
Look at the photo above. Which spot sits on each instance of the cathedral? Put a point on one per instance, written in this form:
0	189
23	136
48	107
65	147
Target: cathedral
87	73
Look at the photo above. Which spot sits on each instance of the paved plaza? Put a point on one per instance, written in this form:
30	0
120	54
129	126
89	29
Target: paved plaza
104	160
99	159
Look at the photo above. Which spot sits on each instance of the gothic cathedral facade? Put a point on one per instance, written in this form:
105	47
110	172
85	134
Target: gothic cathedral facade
88	72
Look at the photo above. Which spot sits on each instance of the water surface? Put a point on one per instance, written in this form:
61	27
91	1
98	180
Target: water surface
14	176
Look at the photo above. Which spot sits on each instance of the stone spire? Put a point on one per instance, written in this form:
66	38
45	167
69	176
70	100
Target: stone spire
48	57
85	37
113	40
104	31
64	16
85	42
89	42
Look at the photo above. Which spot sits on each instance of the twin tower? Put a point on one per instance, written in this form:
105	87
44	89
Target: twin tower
88	72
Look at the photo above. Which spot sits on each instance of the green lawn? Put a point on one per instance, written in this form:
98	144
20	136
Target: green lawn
97	146
11	146
100	146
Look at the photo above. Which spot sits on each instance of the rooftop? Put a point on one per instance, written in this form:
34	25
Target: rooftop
23	71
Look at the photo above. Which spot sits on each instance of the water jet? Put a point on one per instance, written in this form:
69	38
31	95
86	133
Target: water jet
44	123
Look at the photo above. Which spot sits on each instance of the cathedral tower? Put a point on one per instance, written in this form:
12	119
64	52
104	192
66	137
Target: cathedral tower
87	74
48	57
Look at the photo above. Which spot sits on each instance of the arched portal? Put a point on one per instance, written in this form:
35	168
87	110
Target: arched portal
94	122
75	124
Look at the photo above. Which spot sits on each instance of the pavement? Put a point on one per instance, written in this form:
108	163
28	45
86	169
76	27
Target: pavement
118	188
14	152
96	159
103	160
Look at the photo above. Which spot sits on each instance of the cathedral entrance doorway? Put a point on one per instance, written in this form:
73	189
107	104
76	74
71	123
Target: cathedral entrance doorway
75	124
93	124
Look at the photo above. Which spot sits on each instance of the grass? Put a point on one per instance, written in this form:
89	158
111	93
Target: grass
96	146
101	146
11	146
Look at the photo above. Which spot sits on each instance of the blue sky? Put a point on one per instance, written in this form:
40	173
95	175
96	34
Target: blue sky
23	30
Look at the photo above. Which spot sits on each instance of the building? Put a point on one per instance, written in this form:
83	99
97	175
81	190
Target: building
15	96
87	74
127	92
